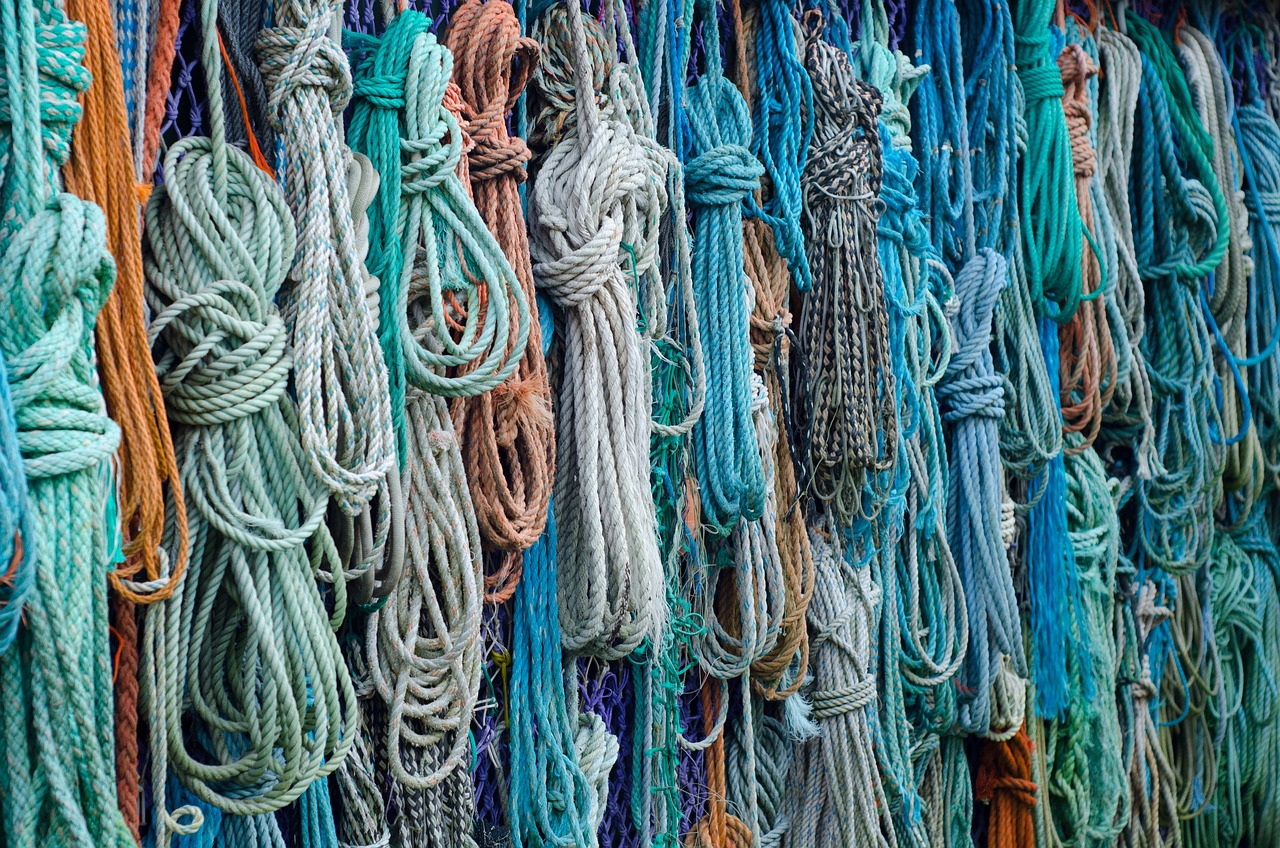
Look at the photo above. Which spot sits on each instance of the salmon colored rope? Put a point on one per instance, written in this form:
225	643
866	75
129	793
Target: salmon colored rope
1087	366
509	434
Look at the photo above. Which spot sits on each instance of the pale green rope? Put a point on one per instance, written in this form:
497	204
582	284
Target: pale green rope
242	667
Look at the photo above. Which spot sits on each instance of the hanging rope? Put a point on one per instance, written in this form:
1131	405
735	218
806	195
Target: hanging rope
55	680
850	425
343	410
220	674
508	435
594	209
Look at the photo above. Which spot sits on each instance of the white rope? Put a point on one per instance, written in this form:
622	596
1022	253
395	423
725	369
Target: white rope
340	378
594	211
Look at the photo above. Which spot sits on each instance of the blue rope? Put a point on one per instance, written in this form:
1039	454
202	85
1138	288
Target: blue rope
783	127
17	539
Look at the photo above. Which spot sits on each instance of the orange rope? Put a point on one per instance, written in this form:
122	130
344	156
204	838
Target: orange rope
1087	365
101	170
771	316
509	434
1004	781
164	47
717	829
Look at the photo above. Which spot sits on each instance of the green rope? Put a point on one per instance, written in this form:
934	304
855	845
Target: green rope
56	740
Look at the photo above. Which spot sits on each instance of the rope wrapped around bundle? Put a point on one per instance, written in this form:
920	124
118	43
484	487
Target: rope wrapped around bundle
339	376
594	211
266	704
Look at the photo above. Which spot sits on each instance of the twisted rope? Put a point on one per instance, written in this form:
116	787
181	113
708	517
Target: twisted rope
509	434
594	212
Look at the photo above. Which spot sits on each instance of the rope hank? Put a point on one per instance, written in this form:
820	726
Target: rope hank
55	683
219	242
338	370
594	211
851	423
508	435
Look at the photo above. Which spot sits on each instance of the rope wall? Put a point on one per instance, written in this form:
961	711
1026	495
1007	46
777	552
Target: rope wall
744	424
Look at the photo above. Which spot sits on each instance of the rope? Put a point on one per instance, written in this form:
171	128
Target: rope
971	398
850	426
783	124
100	170
343	412
837	777
509	434
594	211
720	175
1051	225
55	680
241	670
1003	779
778	674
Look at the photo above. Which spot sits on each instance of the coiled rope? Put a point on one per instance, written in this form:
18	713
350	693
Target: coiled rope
594	212
250	722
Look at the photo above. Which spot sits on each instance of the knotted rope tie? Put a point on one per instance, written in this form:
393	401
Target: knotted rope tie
600	187
338	369
849	398
720	176
842	783
463	286
219	242
1003	780
508	436
971	397
55	683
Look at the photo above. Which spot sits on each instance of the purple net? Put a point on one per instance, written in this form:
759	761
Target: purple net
489	731
607	691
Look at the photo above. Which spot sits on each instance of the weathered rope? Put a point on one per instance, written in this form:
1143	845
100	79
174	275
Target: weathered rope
338	370
249	620
850	427
508	435
594	211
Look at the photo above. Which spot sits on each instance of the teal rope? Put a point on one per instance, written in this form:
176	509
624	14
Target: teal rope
782	120
56	741
719	177
17	530
1052	232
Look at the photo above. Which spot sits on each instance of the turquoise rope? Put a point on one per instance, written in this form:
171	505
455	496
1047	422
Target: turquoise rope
16	526
720	176
782	120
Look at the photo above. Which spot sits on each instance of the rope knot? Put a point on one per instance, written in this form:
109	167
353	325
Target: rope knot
241	365
297	61
436	151
381	91
64	273
722	176
495	153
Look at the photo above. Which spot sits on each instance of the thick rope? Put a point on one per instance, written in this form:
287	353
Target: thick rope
55	680
338	368
508	436
594	210
219	242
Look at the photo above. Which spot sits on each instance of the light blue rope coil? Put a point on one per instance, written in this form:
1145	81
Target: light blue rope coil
720	175
17	535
